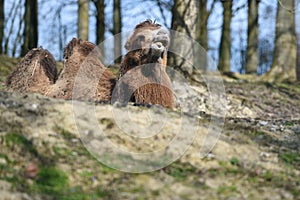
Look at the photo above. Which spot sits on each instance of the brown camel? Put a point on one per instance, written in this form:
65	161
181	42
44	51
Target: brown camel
37	73
142	76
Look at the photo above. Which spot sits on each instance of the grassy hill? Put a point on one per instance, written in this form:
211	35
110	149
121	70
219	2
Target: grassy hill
257	156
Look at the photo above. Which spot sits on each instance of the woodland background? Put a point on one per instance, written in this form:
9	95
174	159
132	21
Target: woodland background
252	37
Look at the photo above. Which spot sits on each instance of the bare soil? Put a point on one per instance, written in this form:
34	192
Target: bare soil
256	157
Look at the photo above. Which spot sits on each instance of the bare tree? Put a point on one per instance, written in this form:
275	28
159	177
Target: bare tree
284	61
30	33
298	42
225	46
100	20
117	21
83	19
1	24
12	12
202	31
184	19
252	41
298	60
202	21
18	38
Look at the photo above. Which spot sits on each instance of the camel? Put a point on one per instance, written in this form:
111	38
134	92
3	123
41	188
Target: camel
142	74
37	73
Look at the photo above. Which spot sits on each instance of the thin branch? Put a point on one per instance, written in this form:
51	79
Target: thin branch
11	26
159	4
18	37
239	8
212	7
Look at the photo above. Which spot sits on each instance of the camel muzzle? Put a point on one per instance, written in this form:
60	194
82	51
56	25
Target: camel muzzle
157	50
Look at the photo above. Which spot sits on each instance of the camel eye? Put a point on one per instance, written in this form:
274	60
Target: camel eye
165	42
141	38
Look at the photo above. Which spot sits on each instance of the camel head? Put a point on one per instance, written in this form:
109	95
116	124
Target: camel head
142	76
151	40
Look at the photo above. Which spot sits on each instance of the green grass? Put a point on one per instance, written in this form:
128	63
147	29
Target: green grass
7	64
19	139
66	135
54	183
268	176
58	151
235	161
4	156
227	189
107	170
181	171
289	123
51	180
7	173
2	83
290	158
86	174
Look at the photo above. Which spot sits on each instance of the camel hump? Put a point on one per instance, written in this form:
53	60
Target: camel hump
82	64
82	46
34	73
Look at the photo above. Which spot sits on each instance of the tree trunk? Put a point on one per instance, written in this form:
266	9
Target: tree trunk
100	25
116	30
225	46
100	21
297	22
30	33
298	60
202	33
83	19
184	18
1	25
202	24
252	41
284	62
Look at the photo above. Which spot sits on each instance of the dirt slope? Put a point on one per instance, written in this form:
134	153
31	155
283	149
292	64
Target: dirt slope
257	156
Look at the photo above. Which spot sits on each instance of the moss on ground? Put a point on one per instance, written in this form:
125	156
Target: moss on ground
290	158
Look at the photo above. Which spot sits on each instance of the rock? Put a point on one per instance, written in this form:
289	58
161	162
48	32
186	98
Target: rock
31	170
264	155
5	186
14	196
3	161
263	123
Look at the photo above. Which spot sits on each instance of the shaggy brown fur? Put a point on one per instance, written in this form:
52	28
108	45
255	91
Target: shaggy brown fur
82	63
142	72
36	72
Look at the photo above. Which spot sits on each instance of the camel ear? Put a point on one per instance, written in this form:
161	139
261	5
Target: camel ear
127	45
135	42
